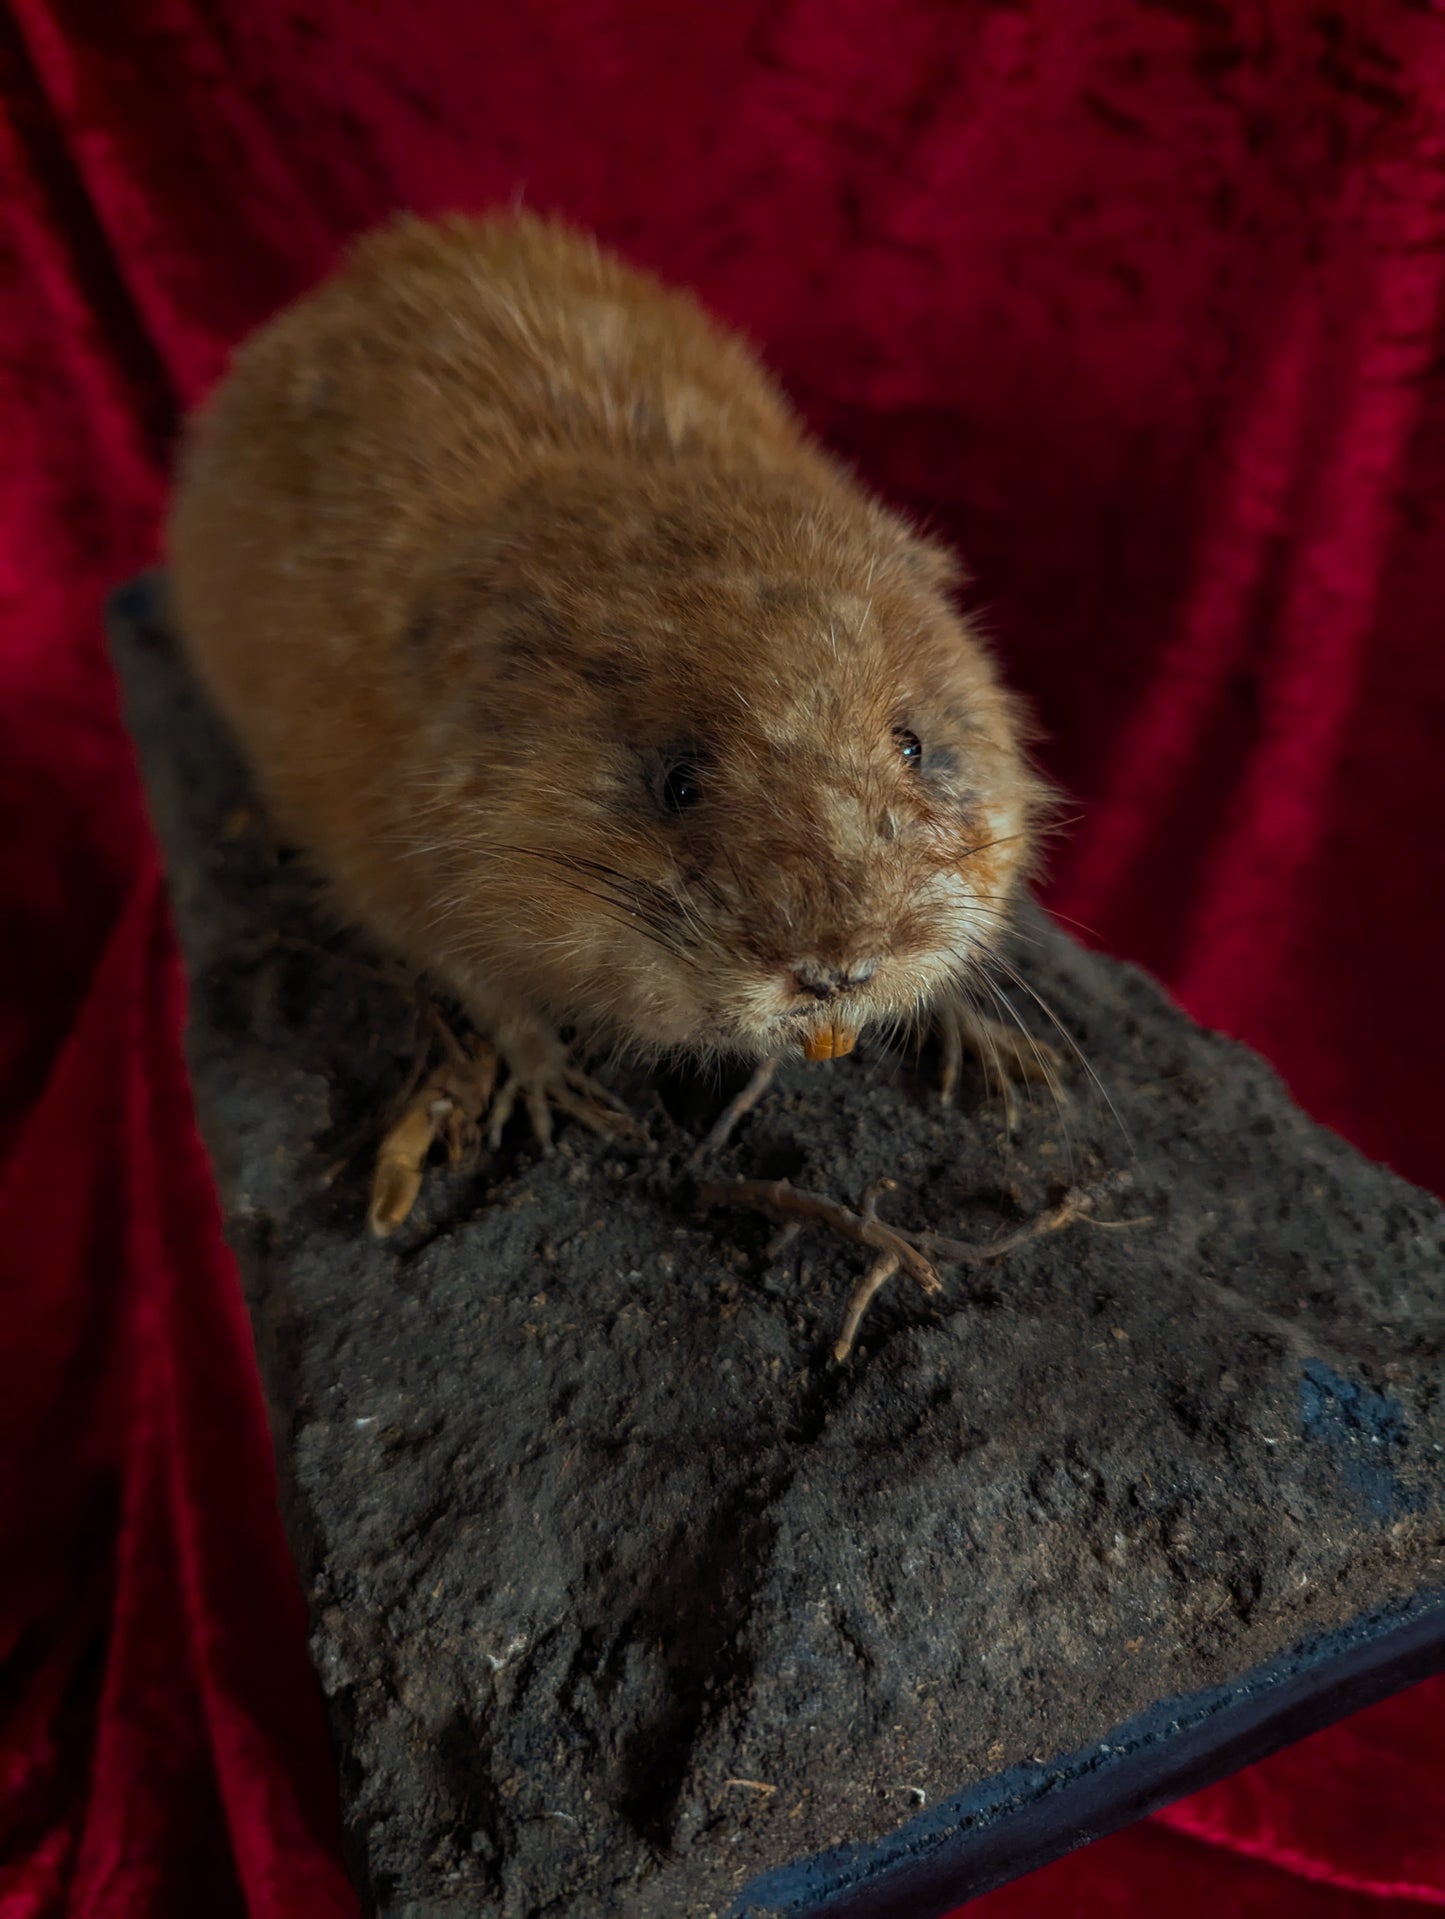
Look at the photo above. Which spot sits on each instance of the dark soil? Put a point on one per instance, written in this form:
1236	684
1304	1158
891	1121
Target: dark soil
622	1590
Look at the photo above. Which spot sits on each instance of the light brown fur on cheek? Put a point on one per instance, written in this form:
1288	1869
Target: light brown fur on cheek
485	535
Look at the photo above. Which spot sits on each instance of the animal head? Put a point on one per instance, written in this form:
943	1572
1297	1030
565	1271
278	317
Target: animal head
732	772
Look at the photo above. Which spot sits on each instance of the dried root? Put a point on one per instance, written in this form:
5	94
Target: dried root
783	1202
912	1253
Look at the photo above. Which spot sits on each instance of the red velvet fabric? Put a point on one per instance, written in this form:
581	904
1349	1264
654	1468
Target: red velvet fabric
1141	300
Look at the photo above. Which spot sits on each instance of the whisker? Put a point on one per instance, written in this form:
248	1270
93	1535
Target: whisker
1046	1070
658	933
1004	839
1066	919
644	902
1067	1037
1010	1016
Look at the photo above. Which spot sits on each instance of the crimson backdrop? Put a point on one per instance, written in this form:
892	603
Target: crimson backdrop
1140	299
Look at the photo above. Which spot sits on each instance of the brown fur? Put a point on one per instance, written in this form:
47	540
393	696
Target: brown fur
479	539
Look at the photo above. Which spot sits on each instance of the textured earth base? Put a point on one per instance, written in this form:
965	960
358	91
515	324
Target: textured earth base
623	1592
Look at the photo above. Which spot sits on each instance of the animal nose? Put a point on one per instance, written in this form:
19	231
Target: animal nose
825	982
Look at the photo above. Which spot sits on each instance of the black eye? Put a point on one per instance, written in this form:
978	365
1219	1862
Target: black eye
681	787
909	745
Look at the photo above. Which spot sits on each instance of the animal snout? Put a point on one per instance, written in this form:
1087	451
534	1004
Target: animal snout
827	982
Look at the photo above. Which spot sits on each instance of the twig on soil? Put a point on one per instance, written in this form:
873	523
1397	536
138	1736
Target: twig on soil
912	1253
1077	1204
783	1202
860	1299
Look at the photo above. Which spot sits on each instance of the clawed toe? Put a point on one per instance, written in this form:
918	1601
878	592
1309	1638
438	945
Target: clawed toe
448	1105
568	1091
454	1102
1010	1057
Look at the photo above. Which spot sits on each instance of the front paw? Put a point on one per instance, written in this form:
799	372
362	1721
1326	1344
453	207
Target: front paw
455	1101
557	1085
1011	1056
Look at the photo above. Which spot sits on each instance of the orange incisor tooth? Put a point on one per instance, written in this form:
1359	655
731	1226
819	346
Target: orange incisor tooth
829	1042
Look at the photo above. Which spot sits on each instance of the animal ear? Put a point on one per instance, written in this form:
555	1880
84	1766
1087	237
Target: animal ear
474	608
449	603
